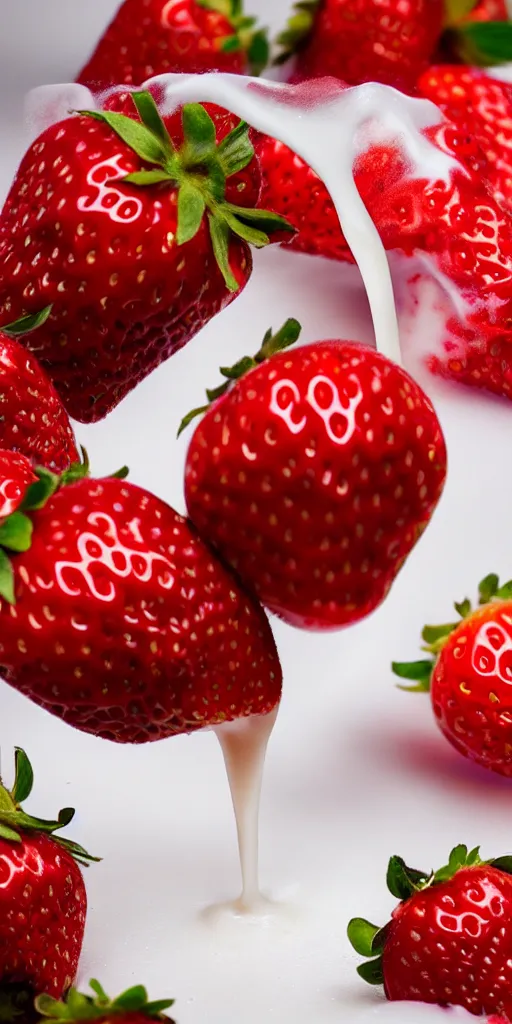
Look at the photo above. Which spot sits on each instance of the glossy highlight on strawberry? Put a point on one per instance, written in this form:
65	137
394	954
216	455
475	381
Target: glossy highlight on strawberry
118	619
314	475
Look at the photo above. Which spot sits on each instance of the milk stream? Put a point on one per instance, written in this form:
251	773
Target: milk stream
244	744
328	127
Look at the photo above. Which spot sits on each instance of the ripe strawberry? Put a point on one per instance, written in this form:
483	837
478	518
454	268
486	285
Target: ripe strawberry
449	940
124	227
158	36
132	1007
33	420
363	40
124	625
469	674
43	901
314	475
481	106
457	226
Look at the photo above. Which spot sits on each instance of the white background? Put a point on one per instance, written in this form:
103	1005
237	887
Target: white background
356	770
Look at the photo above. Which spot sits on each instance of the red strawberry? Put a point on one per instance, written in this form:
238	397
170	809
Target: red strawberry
132	1007
42	898
363	40
481	106
153	37
457	226
314	475
125	229
449	940
124	624
469	675
33	420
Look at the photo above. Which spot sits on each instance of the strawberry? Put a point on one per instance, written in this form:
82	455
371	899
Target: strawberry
126	228
363	40
457	226
468	674
449	940
158	36
132	1007
33	420
314	474
43	901
116	617
481	106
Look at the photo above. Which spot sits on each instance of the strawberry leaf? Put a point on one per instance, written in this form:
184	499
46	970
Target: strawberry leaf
140	139
265	220
245	231
150	116
146	178
488	588
297	30
16	532
23	778
191	208
502	864
198	130
230	44
419	671
6	578
401	880
133	999
463	608
456	10
372	972
27	323
39	492
236	150
457	860
431	634
258	52
361	935
505	592
485	43
10	835
219	234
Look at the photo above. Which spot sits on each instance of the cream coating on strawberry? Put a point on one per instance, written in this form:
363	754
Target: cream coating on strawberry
468	674
43	901
154	37
314	475
122	622
127	231
449	940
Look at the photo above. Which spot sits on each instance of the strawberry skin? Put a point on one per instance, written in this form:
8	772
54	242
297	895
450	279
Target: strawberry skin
16	473
43	906
482	106
358	41
125	295
33	420
154	37
141	634
314	476
452	943
470	687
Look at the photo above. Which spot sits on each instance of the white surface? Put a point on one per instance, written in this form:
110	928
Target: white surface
356	770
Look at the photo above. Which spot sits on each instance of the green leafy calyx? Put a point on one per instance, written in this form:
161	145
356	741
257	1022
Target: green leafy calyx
434	637
79	1007
199	170
246	36
14	822
272	343
298	30
404	882
481	43
26	324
